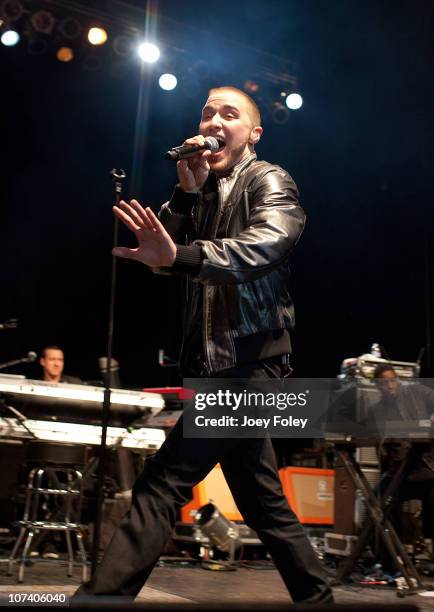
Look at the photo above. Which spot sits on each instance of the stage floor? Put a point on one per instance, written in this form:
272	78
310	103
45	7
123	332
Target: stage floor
186	584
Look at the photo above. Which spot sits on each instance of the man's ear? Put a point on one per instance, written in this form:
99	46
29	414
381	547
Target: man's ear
255	135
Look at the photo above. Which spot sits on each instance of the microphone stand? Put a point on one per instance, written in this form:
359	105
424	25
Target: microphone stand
117	177
8	364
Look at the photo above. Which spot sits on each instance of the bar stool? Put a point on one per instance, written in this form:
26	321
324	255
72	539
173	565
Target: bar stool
55	482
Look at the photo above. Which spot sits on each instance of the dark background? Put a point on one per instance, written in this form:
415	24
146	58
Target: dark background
360	150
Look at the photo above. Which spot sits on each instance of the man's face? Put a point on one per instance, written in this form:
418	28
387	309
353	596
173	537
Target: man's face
388	383
52	362
226	117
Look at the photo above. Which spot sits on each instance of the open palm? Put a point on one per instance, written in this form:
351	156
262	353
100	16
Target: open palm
155	247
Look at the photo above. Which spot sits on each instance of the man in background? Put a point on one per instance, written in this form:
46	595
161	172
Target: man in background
52	361
406	404
411	404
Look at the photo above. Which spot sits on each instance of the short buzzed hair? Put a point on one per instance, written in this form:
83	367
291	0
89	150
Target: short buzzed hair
253	108
50	347
383	367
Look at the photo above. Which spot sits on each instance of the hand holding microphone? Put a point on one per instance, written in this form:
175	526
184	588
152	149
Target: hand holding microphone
156	247
192	147
192	164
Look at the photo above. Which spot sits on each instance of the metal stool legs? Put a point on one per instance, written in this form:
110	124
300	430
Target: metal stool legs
46	483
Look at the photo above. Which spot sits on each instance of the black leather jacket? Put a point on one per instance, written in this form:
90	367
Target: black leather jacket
239	252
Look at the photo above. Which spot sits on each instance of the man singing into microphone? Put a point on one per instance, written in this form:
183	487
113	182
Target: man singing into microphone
229	229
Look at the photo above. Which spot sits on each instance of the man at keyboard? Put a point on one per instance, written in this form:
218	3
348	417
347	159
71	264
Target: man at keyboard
401	412
52	361
406	406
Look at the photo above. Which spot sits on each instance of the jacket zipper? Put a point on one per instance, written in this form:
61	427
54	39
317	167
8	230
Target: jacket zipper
206	309
206	301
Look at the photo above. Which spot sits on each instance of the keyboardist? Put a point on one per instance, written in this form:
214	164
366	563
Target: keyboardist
52	362
398	402
410	403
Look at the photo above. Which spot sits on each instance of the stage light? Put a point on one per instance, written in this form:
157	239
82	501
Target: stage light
251	86
65	54
10	38
12	10
279	114
37	46
70	28
167	81
221	532
122	45
294	101
148	52
42	22
97	36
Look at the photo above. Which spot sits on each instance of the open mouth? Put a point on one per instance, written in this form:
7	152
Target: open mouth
221	142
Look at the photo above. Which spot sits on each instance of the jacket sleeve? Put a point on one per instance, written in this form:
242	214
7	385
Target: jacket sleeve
274	226
175	215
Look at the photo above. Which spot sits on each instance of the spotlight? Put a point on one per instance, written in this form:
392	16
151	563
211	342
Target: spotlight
42	22
221	532
97	36
70	28
294	101
148	52
10	38
65	54
251	86
122	45
37	46
279	114
12	10
167	81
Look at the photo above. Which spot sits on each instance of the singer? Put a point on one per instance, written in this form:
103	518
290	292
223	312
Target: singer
241	218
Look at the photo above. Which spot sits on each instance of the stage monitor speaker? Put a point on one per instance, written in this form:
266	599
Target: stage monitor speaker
310	493
350	509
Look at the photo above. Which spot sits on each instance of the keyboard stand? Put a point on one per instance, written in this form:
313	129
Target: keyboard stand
377	520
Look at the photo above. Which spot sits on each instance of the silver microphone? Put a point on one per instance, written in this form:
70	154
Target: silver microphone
186	151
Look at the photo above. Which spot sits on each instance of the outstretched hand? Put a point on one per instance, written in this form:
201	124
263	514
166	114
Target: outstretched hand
155	247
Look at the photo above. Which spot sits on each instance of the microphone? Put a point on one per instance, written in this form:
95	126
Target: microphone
30	357
9	324
186	151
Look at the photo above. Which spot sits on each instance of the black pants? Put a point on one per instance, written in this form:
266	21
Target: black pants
166	483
